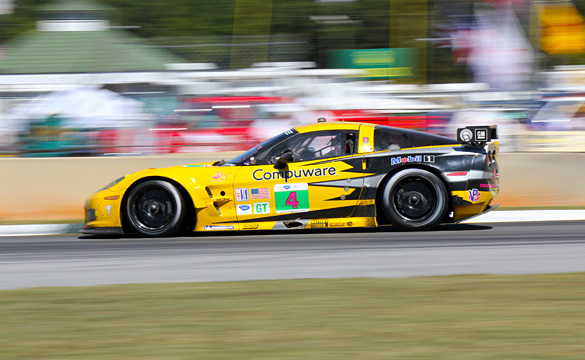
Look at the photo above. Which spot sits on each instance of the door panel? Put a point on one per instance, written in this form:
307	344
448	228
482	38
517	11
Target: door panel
216	196
303	190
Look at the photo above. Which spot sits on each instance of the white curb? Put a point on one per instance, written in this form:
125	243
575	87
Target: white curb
491	217
528	215
34	229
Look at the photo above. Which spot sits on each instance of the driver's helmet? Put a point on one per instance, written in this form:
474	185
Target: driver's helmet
336	145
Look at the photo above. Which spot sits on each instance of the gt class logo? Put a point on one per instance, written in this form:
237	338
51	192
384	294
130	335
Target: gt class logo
474	195
402	160
262	208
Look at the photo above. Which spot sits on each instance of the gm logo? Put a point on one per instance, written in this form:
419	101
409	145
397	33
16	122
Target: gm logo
481	135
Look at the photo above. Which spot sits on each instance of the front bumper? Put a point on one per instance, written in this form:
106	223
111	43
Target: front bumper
103	213
86	229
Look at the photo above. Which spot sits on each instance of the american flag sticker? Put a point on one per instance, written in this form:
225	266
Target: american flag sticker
242	194
261	193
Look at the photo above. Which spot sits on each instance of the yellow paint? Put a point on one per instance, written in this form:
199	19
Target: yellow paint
213	189
562	29
342	223
474	207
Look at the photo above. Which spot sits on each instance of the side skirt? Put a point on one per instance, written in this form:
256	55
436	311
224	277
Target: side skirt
294	224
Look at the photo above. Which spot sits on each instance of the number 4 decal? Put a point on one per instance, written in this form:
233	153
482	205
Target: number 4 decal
291	198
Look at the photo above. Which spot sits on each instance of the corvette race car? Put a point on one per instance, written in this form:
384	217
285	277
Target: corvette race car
322	175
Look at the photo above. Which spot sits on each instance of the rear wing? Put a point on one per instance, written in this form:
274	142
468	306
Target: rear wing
477	135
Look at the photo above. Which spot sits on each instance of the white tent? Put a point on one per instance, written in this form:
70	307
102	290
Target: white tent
82	108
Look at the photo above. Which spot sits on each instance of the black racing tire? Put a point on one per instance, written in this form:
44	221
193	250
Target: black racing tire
154	208
415	199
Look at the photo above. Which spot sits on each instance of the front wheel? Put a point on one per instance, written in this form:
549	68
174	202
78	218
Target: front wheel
415	199
154	208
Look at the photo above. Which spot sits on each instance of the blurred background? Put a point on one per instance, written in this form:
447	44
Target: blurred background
133	77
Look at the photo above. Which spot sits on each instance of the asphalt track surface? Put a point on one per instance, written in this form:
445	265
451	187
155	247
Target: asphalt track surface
494	248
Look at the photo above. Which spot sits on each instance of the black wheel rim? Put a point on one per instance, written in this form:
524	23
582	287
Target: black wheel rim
414	198
153	208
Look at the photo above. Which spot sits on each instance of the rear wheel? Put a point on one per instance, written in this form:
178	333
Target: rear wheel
155	208
415	199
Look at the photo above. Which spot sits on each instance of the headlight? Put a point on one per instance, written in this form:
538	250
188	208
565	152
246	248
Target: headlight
112	183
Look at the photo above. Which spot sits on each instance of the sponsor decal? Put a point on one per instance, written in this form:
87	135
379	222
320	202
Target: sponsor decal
242	194
473	195
429	158
291	198
336	224
219	177
480	135
223	227
465	135
405	159
108	209
366	140
259	174
262	208
319	224
487	185
244	209
250	226
260	193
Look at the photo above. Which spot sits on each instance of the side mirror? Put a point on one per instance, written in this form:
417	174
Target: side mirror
284	158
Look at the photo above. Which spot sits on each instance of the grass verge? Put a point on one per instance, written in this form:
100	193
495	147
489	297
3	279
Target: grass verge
462	317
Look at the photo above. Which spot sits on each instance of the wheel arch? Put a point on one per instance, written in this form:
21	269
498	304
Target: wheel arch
380	218
190	215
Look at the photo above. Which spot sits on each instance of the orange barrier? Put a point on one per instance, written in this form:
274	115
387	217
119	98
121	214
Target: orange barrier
56	188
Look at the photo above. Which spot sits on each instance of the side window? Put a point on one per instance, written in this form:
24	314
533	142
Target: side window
323	144
386	139
310	146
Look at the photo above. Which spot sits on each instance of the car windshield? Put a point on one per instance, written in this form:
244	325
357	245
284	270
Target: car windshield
250	155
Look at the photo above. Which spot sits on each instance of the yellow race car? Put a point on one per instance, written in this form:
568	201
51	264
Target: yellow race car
322	175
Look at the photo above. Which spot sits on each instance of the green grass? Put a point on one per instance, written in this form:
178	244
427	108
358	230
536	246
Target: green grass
463	317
